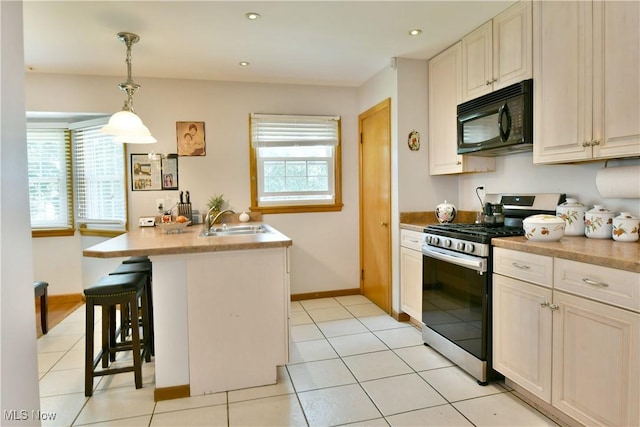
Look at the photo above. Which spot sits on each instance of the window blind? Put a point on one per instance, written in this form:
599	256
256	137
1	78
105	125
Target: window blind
100	187
50	181
275	130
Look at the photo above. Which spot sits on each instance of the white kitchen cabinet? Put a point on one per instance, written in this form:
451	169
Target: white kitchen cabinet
444	96
411	273
586	85
596	362
499	53
573	341
522	319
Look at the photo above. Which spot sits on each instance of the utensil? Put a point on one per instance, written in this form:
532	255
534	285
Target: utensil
445	212
598	222
625	228
572	212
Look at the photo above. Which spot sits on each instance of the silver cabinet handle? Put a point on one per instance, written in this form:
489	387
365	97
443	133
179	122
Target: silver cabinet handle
586	143
595	142
520	266
544	304
594	283
554	306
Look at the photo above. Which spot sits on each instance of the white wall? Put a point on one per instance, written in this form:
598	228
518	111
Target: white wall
325	249
18	362
517	173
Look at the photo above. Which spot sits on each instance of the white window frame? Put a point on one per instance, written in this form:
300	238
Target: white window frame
89	207
72	196
63	222
269	131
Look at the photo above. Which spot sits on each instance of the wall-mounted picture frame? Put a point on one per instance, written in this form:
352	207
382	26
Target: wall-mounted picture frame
190	137
154	172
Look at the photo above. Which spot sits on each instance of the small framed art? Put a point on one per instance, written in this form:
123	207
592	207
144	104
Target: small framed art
154	172
191	138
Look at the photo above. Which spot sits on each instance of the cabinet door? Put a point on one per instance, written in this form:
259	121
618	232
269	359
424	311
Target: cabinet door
411	282
522	334
616	78
562	81
512	45
477	62
444	96
596	362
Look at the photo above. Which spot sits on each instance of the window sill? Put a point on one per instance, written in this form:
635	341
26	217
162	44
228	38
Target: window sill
265	210
60	232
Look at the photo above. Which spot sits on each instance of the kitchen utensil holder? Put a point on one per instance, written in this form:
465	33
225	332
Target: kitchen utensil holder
185	209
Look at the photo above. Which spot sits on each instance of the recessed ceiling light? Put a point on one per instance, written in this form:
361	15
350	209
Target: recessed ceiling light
415	32
243	63
252	16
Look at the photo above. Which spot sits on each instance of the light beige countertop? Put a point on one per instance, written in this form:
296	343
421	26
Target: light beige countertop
154	241
604	252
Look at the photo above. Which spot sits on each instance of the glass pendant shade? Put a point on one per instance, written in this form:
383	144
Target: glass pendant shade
127	127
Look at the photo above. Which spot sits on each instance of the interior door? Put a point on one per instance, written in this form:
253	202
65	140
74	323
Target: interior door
375	204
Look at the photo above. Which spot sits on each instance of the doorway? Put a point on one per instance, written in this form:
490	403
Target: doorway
374	126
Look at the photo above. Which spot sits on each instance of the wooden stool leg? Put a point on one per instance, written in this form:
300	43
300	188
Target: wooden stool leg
135	338
88	353
106	335
44	312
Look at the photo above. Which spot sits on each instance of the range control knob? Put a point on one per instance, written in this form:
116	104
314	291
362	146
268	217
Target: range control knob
435	240
469	247
447	243
460	246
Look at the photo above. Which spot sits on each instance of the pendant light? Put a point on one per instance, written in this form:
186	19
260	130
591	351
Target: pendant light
125	125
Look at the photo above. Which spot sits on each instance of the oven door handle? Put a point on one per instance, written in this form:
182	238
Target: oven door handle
474	263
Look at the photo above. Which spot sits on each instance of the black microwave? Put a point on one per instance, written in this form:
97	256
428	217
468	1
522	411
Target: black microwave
498	123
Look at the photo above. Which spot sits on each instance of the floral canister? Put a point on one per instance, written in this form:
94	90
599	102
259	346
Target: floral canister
572	212
445	212
625	228
598	222
543	228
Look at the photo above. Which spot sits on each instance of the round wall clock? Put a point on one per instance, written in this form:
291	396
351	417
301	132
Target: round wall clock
414	140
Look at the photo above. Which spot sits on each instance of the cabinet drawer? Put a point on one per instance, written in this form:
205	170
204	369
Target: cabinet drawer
615	287
524	266
411	239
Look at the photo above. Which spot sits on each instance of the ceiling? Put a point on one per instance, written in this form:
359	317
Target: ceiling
339	43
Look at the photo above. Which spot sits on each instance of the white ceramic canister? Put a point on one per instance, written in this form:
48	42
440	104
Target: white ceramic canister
572	212
445	212
598	222
625	228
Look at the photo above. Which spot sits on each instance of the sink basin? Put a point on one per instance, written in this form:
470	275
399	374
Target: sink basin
234	230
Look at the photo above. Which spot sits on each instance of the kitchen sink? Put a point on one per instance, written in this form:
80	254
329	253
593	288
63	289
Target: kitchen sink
234	230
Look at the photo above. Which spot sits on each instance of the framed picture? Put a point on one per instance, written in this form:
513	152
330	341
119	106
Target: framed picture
149	173
191	138
170	172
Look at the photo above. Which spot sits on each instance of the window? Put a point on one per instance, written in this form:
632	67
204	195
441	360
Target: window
295	163
99	179
92	193
50	183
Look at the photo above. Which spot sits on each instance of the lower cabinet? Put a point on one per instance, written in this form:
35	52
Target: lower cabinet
581	355
522	334
411	273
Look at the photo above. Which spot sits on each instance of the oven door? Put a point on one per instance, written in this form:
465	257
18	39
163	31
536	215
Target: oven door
455	302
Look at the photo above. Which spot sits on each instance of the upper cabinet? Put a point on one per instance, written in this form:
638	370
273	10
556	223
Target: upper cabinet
444	97
499	53
586	84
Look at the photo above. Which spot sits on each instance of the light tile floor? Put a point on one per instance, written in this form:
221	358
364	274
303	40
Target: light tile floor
351	364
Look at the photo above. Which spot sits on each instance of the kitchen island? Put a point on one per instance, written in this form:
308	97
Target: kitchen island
221	306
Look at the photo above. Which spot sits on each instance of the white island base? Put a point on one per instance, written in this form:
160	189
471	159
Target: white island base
221	320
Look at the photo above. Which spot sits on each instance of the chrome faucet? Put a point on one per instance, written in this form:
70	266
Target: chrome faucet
208	222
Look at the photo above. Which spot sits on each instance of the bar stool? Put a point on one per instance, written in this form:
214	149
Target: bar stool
146	268
40	289
136	259
124	290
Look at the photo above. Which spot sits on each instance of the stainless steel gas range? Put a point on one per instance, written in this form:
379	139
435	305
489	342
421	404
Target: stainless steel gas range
457	269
